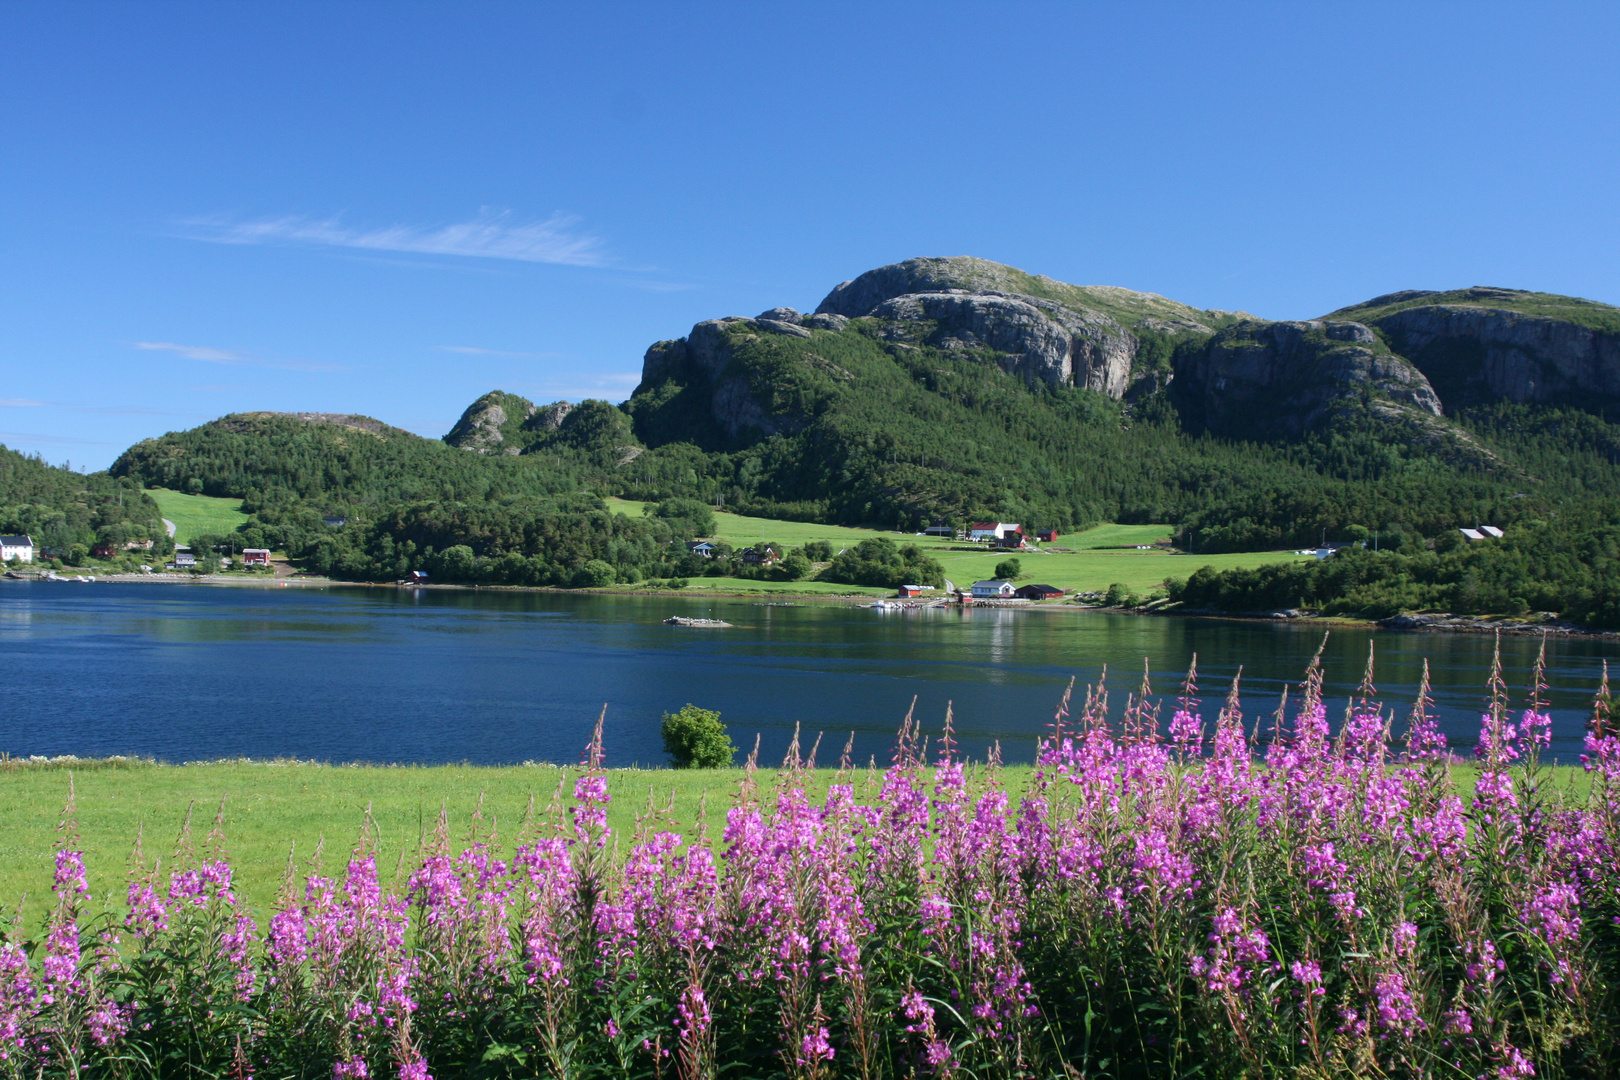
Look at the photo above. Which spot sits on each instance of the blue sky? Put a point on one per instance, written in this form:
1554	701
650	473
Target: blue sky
390	209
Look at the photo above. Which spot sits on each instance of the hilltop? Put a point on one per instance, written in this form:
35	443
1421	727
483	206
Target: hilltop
953	389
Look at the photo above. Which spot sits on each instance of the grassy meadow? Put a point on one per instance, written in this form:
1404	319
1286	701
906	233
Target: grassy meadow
1088	566
270	807
197	515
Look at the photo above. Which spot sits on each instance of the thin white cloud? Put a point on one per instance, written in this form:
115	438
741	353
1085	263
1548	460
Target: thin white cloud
611	386
473	350
9	437
491	235
231	358
99	410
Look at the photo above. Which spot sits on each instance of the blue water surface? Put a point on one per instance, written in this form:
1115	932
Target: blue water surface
193	672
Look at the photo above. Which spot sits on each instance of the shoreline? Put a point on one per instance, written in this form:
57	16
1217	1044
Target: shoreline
1420	623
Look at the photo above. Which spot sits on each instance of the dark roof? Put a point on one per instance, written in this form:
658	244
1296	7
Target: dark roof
17	541
1051	589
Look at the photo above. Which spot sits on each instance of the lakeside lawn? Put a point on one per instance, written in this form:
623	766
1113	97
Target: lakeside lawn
1087	567
197	515
271	807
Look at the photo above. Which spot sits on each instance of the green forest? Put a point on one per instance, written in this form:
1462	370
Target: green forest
847	424
71	512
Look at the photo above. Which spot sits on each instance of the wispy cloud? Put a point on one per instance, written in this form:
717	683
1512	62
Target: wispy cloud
609	386
231	358
493	234
472	350
28	437
99	410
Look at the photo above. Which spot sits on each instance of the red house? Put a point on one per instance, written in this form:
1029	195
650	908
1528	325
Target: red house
104	551
1040	592
1046	536
256	556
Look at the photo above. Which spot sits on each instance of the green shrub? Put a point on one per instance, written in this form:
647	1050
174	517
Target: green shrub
1009	569
595	574
695	738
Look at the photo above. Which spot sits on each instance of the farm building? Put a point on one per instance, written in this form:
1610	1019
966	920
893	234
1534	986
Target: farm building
994	590
992	530
915	590
1046	536
763	555
940	530
20	548
416	577
256	556
1039	592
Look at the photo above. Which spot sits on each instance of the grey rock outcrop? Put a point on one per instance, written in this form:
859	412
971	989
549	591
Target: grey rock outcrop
1036	338
780	314
825	321
1257	379
1480	353
777	326
549	417
484	426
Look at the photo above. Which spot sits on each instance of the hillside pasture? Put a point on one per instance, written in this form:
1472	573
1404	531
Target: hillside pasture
1097	557
198	515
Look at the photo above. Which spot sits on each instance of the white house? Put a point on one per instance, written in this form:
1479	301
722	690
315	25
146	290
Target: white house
991	530
994	590
20	548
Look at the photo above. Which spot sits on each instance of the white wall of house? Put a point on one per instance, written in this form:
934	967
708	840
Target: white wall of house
20	548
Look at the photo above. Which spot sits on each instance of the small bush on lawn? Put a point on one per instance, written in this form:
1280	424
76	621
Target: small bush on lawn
695	738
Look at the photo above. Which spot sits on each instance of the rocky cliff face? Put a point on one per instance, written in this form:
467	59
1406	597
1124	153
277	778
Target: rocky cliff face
1486	344
1264	379
1478	354
1405	356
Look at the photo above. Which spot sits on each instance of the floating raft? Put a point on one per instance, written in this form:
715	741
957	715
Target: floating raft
679	620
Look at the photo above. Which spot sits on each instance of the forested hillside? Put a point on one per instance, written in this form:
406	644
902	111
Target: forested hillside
946	390
62	509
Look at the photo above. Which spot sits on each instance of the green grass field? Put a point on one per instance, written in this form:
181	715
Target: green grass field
1083	569
272	807
269	807
196	515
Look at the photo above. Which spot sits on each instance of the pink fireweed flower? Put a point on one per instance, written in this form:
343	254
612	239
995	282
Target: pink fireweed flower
70	876
1308	973
1535	729
1187	733
148	914
351	1069
815	1046
1514	1065
17	997
1236	954
1396	1011
107	1023
235	943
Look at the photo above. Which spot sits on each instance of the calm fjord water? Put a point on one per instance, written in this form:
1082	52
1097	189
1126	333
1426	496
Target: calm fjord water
188	673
